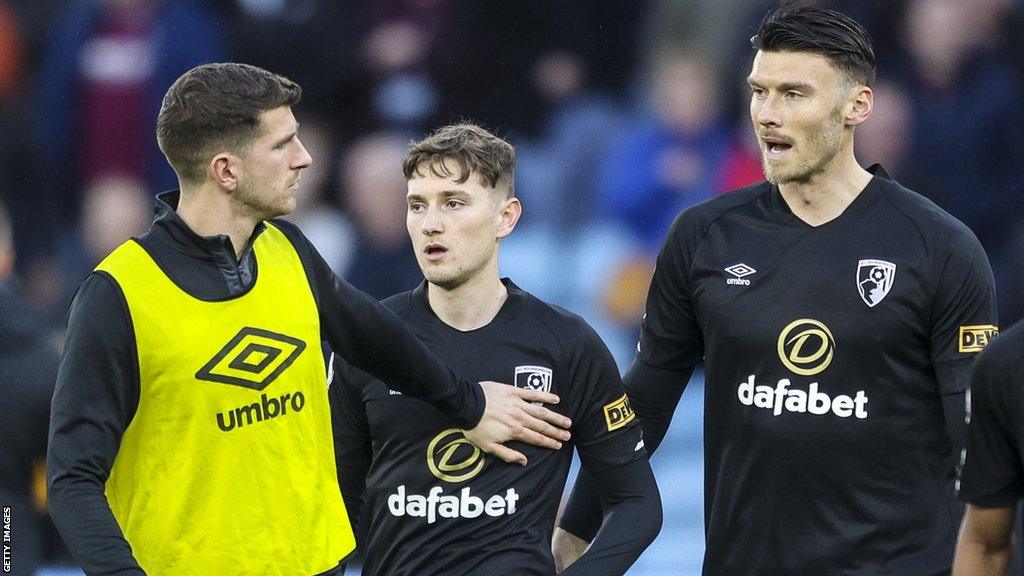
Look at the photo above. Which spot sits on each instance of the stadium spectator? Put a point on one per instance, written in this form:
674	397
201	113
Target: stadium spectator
28	369
382	263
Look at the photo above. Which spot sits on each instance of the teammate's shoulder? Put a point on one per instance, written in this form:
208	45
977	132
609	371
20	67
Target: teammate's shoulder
1003	353
698	218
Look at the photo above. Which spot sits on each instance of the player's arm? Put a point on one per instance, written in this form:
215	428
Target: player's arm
372	338
611	449
963	319
985	547
353	447
992	477
96	396
671	345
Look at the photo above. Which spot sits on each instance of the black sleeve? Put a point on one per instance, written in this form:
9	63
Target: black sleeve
632	520
352	441
963	315
671	345
96	396
371	337
993	473
605	430
653	395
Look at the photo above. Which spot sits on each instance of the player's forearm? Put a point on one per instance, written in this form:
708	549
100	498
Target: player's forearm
976	559
632	520
654	395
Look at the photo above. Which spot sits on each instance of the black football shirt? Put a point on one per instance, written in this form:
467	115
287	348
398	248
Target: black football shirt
993	472
435	504
827	351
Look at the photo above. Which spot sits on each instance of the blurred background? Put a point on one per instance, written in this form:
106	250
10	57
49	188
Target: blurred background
622	113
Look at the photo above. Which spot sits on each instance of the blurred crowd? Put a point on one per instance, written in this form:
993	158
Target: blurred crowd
623	113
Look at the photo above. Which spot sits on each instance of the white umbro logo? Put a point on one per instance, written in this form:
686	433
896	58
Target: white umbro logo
740	271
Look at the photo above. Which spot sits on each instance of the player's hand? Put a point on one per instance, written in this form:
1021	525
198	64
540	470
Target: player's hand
566	548
509	415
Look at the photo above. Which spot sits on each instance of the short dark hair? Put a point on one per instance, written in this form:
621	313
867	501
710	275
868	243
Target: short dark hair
217	105
473	148
839	38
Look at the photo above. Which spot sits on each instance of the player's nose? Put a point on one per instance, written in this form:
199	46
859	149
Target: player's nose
432	222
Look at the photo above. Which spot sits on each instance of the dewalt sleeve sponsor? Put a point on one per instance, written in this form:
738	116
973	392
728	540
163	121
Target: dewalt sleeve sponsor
618	413
975	338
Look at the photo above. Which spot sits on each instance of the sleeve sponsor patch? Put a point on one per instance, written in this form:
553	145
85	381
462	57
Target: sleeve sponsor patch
975	338
618	413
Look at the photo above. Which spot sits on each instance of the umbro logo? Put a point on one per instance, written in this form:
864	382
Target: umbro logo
740	272
252	359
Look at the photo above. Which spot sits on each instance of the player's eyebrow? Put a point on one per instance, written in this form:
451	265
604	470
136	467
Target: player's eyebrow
445	194
292	134
797	85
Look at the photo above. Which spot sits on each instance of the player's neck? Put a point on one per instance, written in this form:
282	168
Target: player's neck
471	305
207	214
826	195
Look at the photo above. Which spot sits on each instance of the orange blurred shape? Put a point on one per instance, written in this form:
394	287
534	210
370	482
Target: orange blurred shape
624	297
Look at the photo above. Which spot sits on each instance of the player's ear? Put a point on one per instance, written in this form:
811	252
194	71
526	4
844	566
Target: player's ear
225	169
860	104
510	211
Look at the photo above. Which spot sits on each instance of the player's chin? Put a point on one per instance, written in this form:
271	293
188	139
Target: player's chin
442	276
285	206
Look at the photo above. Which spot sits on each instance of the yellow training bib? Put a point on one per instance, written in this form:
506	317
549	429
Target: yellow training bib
227	467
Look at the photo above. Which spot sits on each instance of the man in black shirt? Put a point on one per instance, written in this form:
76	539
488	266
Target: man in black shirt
430	503
836	313
174	337
992	479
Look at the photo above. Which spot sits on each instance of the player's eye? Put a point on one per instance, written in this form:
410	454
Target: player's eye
416	207
453	204
757	92
793	95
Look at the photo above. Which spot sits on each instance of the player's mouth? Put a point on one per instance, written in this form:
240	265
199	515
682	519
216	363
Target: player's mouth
295	185
775	146
434	252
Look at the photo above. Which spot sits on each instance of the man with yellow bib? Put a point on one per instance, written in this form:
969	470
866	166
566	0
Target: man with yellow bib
190	429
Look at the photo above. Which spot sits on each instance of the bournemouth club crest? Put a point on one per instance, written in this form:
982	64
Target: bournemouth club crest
874	279
533	378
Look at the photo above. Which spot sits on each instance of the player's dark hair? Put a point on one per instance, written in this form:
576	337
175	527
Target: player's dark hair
216	107
472	148
837	37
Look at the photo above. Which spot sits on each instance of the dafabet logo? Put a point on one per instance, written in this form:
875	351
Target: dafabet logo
806	347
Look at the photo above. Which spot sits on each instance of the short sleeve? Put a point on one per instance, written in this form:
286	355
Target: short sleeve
606	430
670	338
963	312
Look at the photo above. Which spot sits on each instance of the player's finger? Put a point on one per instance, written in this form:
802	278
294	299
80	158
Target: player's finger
525	434
536	422
507	454
536	396
549	416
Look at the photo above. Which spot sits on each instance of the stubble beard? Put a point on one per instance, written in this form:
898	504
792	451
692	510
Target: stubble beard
825	143
249	205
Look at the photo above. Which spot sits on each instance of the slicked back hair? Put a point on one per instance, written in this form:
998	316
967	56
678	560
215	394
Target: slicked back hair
837	37
473	149
215	107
